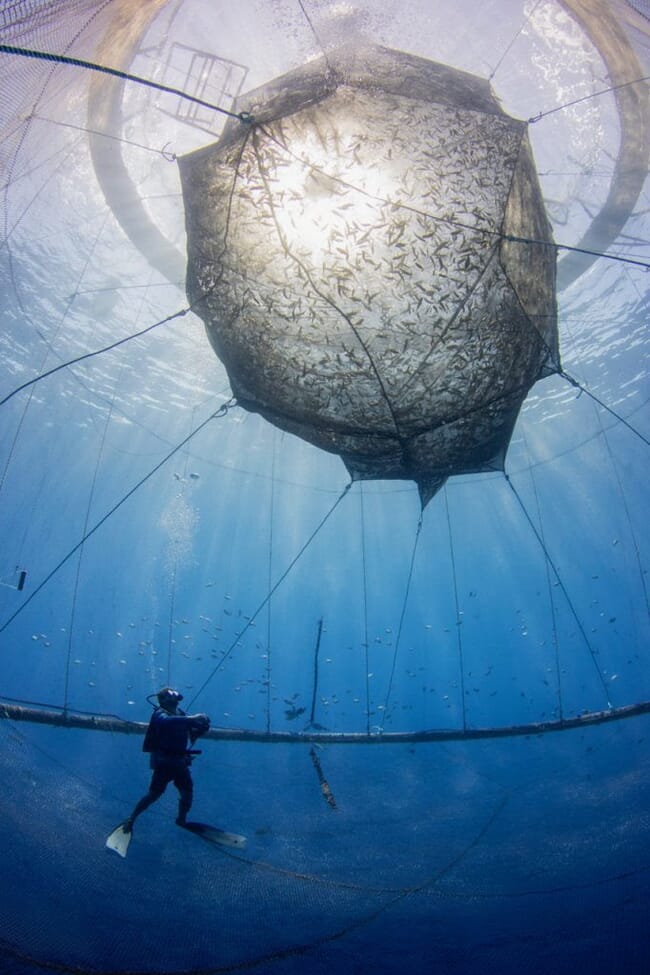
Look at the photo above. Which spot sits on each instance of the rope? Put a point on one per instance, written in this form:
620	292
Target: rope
178	314
584	389
77	579
605	438
164	152
227	653
564	590
323	295
586	98
269	583
315	685
401	620
508	237
174	574
577	250
365	609
216	415
512	42
626	508
460	307
315	33
400	205
170	627
459	639
91	355
556	646
48	345
362	921
322	781
124	75
402	894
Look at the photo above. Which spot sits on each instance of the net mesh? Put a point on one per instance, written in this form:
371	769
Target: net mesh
407	862
345	252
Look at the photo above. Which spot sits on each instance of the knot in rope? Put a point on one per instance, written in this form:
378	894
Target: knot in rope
573	382
223	409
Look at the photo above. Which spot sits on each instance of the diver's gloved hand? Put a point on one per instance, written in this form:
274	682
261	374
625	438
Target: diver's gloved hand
201	723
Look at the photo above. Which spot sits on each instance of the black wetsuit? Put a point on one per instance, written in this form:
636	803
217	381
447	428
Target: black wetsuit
167	739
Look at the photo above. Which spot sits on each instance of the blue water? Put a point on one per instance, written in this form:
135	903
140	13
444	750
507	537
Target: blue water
209	564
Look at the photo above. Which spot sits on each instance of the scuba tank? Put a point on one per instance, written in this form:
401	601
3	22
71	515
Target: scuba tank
166	697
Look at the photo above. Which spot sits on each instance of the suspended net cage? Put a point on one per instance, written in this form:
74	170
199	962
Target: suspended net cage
324	401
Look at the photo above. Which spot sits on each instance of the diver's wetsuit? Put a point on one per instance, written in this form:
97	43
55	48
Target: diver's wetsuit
167	739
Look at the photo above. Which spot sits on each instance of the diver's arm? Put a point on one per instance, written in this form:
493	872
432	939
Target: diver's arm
200	723
198	719
196	724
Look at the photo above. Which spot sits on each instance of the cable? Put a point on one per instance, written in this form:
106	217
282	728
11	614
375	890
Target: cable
564	590
77	578
164	152
124	75
328	795
401	620
170	627
227	653
549	586
298	949
365	608
269	578
90	355
576	250
512	42
315	683
449	325
318	290
459	639
319	40
610	454
584	389
508	237
586	98
216	415
400	205
178	314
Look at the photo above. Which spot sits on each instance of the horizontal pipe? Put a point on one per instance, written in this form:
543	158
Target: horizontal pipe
106	722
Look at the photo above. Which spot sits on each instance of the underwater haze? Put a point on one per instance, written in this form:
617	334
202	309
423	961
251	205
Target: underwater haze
429	712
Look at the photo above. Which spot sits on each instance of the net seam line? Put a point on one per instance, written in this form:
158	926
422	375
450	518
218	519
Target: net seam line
325	297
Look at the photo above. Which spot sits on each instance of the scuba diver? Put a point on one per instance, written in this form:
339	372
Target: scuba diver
167	741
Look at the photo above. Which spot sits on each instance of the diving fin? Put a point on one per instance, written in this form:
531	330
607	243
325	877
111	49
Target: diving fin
119	840
213	835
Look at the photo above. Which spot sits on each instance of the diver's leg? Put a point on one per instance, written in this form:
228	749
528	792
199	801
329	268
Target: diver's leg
159	782
185	786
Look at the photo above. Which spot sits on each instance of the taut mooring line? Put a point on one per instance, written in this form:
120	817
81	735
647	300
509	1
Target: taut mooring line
564	590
